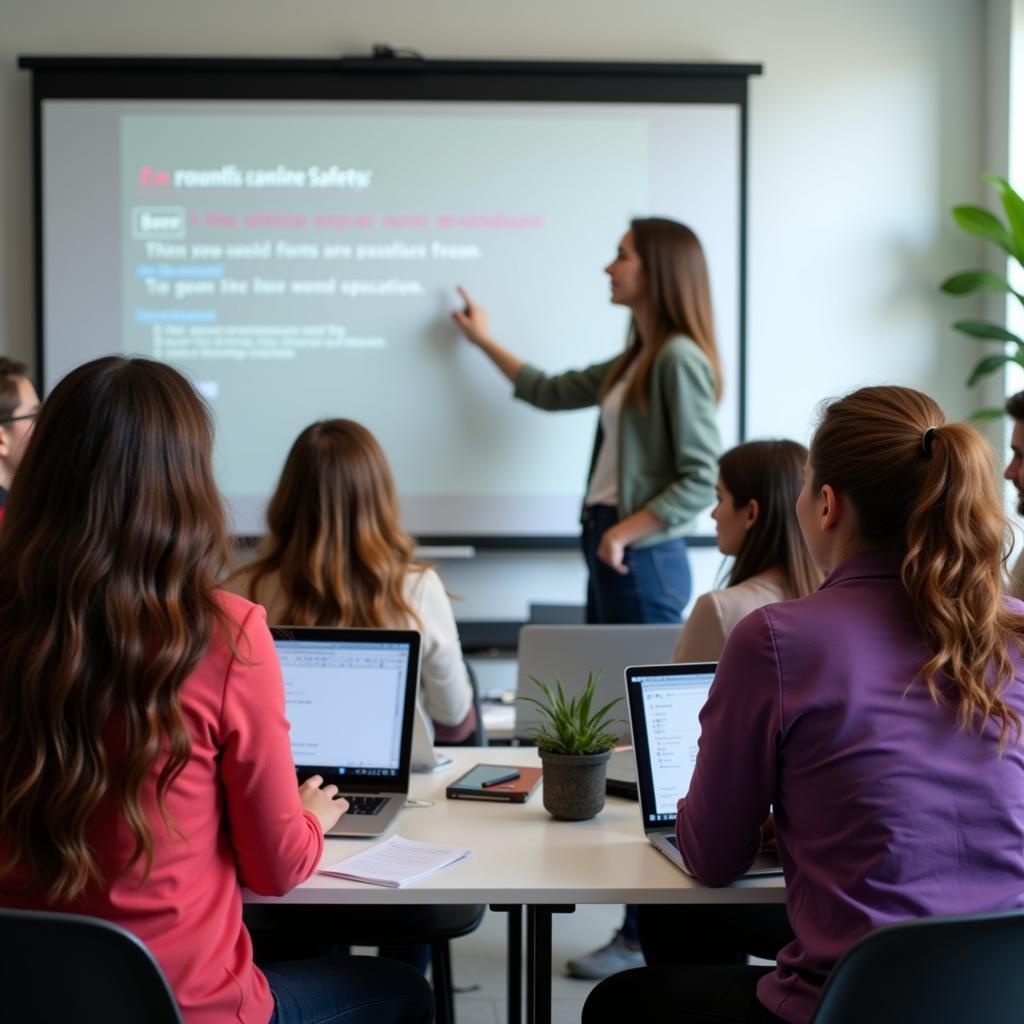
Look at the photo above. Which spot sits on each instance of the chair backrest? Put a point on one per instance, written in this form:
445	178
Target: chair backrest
56	968
478	737
939	970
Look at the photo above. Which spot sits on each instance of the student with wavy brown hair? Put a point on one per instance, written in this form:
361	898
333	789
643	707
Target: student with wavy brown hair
145	767
652	470
755	520
880	716
335	555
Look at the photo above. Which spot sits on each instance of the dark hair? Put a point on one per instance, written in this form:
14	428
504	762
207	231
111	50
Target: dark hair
770	473
680	295
113	540
935	505
1015	405
333	534
11	371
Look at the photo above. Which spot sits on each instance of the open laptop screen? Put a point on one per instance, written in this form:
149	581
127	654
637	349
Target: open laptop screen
665	704
348	700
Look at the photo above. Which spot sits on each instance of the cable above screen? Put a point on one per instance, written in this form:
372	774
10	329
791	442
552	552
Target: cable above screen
290	233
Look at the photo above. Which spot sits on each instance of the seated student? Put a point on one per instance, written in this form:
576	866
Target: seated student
19	404
755	519
145	768
335	555
881	716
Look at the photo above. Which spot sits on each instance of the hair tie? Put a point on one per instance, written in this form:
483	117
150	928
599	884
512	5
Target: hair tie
927	439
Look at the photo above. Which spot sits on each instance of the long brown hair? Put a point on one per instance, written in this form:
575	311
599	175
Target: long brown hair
680	298
770	473
333	536
113	539
925	489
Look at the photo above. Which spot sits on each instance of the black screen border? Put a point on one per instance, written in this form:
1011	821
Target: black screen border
407	79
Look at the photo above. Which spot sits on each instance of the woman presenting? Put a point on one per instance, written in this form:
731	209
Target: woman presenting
653	467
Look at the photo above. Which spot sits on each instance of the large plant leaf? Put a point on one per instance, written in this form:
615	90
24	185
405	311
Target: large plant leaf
989	365
987	331
987	415
976	221
978	280
1014	207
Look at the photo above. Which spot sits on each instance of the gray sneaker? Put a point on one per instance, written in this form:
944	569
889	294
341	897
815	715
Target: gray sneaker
617	956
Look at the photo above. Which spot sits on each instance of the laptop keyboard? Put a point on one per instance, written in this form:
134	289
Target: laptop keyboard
672	839
365	804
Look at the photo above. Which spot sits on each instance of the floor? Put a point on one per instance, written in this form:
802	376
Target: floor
478	965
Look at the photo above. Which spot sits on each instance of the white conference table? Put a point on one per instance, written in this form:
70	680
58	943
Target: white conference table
521	856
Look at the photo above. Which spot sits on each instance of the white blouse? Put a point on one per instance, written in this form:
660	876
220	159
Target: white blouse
715	614
603	488
445	692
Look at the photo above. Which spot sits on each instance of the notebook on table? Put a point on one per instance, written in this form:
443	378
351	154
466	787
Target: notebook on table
350	696
665	702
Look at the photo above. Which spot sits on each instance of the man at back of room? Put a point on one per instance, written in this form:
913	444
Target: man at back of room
19	404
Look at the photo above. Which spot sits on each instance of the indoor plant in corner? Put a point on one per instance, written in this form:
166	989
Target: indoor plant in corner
1009	237
574	744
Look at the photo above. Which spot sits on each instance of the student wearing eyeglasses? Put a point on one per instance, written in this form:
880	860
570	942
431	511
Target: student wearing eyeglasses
19	404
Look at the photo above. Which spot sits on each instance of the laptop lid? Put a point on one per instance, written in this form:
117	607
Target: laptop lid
664	707
350	696
568	653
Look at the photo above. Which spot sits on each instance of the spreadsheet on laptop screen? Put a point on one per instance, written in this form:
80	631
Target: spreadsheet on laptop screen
672	707
344	702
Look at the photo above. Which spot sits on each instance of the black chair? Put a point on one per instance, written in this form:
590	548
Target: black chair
557	614
938	970
296	932
443	924
56	968
478	737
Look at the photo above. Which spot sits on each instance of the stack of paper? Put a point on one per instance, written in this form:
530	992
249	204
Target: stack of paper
395	862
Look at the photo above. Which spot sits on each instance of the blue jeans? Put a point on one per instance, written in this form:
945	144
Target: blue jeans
348	990
656	588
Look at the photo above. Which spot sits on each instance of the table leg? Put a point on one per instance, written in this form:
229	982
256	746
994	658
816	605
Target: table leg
514	957
538	961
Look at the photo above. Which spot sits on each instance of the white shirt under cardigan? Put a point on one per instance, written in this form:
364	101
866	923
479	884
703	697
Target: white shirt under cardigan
603	488
445	692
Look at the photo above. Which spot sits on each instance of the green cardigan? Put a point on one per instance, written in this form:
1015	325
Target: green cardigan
668	456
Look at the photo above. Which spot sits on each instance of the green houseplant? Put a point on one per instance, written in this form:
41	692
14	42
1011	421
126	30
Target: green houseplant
574	744
1009	237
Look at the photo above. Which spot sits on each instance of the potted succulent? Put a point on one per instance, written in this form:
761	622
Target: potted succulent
574	744
1009	237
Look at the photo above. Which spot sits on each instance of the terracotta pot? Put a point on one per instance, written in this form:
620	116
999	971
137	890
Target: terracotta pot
574	784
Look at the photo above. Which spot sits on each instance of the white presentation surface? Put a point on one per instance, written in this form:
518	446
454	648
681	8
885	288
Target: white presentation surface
672	707
344	702
299	260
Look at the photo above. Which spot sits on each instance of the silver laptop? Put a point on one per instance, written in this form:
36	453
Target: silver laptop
350	696
665	702
568	653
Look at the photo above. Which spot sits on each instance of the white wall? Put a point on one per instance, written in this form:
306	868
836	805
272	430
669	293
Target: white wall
868	124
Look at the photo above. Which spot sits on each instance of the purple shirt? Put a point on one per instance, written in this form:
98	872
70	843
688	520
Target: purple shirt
883	810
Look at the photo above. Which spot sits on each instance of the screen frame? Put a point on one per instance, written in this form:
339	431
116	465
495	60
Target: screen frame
635	675
393	77
398	783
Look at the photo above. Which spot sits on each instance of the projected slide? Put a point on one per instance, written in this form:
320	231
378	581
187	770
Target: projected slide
299	261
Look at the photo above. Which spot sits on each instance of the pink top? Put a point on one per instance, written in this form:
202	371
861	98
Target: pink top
237	809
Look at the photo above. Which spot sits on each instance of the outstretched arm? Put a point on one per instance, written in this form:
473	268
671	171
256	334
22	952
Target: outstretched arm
472	321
